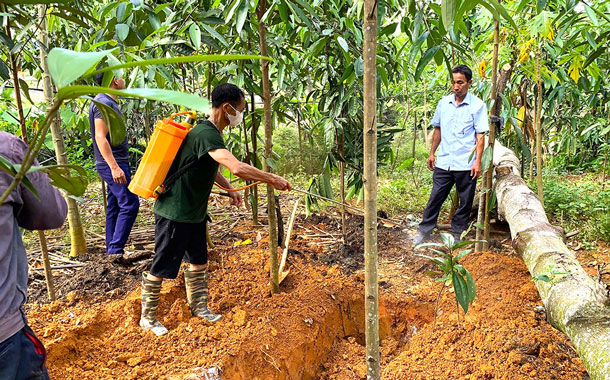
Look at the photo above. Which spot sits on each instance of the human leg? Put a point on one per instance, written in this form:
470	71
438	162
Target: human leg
169	250
112	206
128	205
442	181
23	356
196	276
465	187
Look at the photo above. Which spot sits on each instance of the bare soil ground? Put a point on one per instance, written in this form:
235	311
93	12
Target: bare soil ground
313	329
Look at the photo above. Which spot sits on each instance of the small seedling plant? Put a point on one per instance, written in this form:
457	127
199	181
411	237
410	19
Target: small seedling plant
550	275
453	273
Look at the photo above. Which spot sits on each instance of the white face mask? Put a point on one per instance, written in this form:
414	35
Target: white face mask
235	119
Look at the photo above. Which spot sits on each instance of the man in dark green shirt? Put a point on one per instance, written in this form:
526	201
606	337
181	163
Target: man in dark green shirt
181	212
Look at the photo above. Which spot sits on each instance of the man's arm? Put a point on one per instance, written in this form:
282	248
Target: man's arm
236	198
245	171
101	131
476	167
436	140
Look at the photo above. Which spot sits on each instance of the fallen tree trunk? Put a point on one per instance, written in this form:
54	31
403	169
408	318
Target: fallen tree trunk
575	303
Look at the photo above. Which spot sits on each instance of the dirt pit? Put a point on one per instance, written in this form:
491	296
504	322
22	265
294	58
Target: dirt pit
314	329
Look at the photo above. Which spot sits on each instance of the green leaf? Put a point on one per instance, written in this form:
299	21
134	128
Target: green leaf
4	72
593	56
114	123
215	34
66	66
242	14
591	13
436	260
343	44
448	13
189	101
461	291
122	31
487	157
7	166
462	253
62	176
417	45
423	245
424	60
541	277
25	89
464	243
17	2
195	34
406	163
183	59
120	11
298	12
471	286
492	201
271	162
448	239
499	9
71	18
113	61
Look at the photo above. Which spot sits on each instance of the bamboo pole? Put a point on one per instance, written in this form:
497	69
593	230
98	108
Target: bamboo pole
262	7
492	134
371	292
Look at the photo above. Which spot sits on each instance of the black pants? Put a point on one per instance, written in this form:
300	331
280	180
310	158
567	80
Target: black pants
175	241
443	180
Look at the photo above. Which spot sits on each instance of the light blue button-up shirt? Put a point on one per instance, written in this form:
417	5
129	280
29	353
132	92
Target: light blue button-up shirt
459	125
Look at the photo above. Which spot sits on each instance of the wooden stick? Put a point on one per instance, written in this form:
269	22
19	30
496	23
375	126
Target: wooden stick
345	204
287	241
47	265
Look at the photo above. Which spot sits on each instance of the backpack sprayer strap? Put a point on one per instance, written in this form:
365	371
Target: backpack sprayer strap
169	181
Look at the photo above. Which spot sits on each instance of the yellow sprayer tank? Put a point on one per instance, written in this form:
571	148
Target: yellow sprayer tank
160	154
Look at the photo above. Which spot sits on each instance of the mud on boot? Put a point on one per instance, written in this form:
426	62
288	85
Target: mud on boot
197	294
150	302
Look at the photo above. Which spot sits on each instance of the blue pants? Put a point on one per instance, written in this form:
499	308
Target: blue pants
122	208
22	357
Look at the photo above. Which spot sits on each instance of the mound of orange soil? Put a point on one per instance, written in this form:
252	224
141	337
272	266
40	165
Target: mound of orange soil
314	329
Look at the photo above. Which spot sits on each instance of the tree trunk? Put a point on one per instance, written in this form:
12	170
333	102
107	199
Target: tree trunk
575	303
16	85
342	175
48	276
539	128
77	235
254	159
300	138
492	134
268	150
369	178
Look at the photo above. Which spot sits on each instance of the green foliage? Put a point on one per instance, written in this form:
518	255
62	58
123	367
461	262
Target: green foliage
580	202
549	275
452	271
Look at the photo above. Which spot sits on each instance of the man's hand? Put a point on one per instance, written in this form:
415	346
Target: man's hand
118	176
236	199
280	183
476	170
430	163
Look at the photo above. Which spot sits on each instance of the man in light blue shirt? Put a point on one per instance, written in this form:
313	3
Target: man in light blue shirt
460	120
